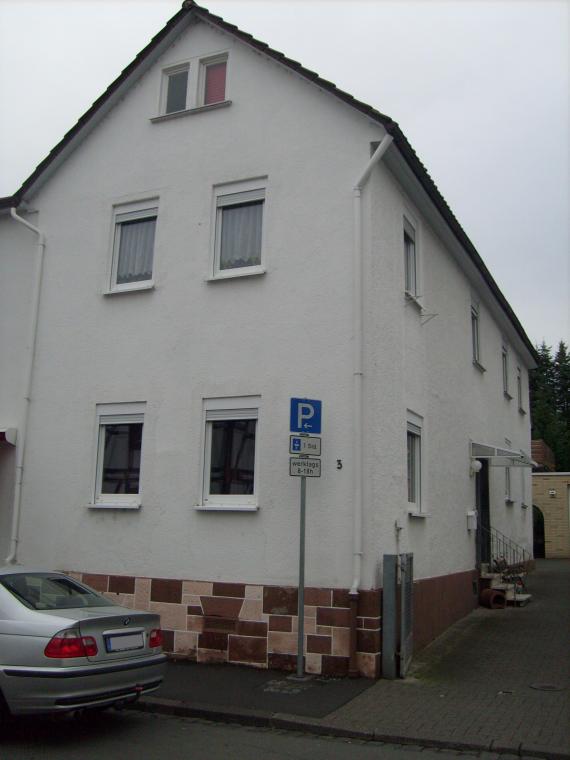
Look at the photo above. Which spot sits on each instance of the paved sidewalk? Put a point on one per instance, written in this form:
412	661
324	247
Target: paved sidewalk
497	681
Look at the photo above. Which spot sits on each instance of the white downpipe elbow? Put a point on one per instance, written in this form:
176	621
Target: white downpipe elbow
358	364
23	422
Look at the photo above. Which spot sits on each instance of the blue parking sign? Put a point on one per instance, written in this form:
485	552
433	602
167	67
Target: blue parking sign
305	416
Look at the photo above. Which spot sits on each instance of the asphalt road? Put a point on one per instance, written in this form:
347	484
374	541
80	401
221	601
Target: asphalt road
141	736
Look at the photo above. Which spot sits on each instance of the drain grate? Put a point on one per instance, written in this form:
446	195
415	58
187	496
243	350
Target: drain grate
279	686
546	687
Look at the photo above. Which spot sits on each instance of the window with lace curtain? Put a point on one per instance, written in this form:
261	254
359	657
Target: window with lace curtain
239	211
134	227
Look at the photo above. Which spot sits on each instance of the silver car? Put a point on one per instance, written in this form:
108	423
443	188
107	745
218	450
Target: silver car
65	647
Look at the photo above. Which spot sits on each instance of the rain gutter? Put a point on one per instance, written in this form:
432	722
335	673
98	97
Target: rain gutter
358	383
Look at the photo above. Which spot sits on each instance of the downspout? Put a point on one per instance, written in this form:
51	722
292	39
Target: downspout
23	422
358	411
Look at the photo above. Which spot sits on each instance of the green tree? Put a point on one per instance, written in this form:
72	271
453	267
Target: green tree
562	382
550	402
562	402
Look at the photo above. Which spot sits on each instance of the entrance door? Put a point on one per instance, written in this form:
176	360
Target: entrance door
538	533
483	514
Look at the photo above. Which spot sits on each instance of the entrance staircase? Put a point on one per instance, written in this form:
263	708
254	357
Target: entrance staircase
509	565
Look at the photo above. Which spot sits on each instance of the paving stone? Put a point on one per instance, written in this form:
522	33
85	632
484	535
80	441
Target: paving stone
474	683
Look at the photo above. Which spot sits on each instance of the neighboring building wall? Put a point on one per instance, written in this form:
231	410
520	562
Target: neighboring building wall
551	494
543	455
7	474
18	252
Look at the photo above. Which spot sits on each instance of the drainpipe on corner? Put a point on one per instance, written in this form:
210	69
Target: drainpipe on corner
12	557
358	383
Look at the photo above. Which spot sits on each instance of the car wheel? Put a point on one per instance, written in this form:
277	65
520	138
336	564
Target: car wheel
4	712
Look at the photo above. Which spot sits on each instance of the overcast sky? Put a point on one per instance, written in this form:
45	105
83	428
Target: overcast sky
481	90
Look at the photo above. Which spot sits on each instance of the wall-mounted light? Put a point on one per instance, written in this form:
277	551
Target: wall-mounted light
475	467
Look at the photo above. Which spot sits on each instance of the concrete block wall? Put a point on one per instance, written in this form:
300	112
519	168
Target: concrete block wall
556	510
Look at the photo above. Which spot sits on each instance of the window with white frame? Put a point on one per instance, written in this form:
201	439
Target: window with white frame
175	89
410	259
238	229
213	86
230	453
505	367
414	454
524	504
191	85
508	496
475	343
119	448
520	391
133	245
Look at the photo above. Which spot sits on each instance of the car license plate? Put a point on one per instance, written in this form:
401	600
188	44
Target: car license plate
124	641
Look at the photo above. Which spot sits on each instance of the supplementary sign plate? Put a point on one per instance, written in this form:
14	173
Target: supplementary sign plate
305	444
304	466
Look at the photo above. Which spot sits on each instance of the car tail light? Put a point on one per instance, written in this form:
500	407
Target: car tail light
155	638
71	644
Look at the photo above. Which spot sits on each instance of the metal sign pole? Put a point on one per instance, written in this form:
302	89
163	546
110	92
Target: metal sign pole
301	603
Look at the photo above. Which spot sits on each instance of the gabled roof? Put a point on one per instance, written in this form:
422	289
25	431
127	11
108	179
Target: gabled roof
189	12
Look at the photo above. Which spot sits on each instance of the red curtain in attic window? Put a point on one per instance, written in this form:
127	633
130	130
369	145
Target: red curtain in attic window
215	87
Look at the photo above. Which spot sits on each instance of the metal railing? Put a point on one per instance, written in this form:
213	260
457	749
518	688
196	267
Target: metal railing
505	553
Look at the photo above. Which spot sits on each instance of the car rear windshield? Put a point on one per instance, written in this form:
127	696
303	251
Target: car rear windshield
45	591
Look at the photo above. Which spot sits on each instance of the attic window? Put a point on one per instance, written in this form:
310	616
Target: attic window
214	75
176	90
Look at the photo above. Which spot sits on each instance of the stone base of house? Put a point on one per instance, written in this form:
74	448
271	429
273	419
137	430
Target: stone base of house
253	624
256	625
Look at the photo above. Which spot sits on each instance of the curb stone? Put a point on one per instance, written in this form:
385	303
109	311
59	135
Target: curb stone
539	750
282	721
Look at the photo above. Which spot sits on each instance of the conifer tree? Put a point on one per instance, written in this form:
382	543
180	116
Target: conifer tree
550	402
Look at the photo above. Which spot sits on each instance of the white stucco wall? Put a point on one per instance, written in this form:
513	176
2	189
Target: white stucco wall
285	333
423	363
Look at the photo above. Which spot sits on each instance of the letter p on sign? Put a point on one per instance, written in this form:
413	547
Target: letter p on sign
305	416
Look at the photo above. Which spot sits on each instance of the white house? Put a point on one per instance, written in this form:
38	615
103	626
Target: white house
223	230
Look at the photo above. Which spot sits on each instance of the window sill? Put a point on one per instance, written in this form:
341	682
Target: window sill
507	395
415	515
114	505
190	111
226	508
134	288
523	505
413	300
479	366
508	501
231	275
522	411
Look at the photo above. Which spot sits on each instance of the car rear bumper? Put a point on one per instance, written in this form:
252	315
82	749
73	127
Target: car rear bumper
44	690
